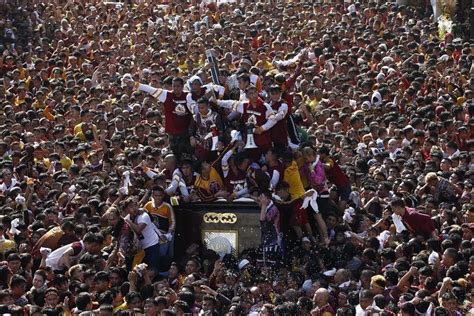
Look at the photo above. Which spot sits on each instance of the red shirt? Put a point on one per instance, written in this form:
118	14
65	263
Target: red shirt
279	132
335	174
235	182
417	222
259	113
177	114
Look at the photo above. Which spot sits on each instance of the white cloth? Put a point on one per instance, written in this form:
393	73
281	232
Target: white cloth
307	285
399	226
376	98
150	235
14	224
436	11
53	260
433	258
348	214
126	181
383	237
6	188
330	273
311	200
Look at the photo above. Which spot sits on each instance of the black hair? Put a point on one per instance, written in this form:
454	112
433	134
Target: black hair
203	100
82	300
17	280
178	79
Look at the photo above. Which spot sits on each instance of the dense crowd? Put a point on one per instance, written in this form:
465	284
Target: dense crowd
348	123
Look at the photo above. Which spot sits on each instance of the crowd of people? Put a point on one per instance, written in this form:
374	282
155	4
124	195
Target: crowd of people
349	124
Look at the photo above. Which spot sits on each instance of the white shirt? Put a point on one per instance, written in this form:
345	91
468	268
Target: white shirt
360	311
6	188
150	236
54	259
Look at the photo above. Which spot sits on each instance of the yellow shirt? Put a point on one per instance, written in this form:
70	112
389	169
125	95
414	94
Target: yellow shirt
300	162
121	307
265	65
6	245
183	67
66	162
19	101
38	105
207	188
44	161
291	175
164	213
79	133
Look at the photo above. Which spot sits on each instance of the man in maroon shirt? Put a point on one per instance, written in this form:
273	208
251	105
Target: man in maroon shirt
279	133
335	174
416	222
257	112
178	113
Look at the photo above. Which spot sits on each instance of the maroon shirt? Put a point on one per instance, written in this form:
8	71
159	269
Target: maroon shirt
235	182
279	132
336	175
259	112
418	223
177	114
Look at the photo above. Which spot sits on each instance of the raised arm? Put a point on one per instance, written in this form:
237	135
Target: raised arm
234	105
174	185
225	162
157	93
216	88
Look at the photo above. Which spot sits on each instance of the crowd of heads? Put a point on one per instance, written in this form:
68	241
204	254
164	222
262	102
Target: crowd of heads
113	115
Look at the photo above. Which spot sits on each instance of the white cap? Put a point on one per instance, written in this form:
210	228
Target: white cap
376	98
380	77
444	58
307	285
366	105
330	273
243	263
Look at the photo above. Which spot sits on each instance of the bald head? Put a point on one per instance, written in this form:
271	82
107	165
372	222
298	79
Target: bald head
321	297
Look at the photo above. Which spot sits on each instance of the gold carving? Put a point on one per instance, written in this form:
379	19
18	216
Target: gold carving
224	218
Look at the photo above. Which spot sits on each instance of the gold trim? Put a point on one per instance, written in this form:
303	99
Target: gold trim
159	91
224	218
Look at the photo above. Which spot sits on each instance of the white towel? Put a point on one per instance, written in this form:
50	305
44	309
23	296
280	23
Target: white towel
14	224
348	214
433	258
397	220
383	237
311	200
126	181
